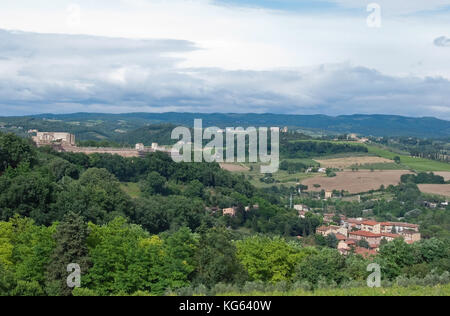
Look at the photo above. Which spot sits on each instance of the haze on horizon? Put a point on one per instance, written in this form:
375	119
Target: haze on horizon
241	56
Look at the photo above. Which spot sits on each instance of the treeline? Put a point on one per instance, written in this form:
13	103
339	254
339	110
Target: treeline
307	149
120	258
423	178
294	167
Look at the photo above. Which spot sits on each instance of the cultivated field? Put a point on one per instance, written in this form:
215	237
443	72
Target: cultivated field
233	167
343	163
438	189
356	182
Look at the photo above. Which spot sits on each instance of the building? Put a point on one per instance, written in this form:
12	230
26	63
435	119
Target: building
389	237
49	138
301	207
140	147
229	211
371	226
328	195
410	235
396	227
371	238
352	223
365	252
332	229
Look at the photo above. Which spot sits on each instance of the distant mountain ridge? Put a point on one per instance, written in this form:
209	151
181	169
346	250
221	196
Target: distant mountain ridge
374	125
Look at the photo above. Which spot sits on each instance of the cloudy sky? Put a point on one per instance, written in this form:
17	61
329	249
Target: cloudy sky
280	56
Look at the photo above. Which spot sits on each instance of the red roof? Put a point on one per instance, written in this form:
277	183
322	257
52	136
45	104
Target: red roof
340	237
369	223
390	235
365	252
364	234
399	224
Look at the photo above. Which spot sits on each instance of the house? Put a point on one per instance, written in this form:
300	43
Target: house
140	147
301	207
389	237
328	195
365	252
352	223
371	238
410	235
328	218
332	229
371	226
229	211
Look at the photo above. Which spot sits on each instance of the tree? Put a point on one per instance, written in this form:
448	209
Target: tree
363	244
217	260
154	184
268	259
194	189
14	151
395	256
327	264
70	238
397	159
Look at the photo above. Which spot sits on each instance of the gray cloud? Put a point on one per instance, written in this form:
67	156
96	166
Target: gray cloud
442	41
42	73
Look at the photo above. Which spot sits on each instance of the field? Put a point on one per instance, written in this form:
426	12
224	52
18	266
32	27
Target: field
233	167
252	172
438	189
417	164
356	182
444	174
344	163
442	290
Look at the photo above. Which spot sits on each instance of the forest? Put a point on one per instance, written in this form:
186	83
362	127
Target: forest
61	208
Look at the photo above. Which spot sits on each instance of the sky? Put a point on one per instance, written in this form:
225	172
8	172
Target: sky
329	57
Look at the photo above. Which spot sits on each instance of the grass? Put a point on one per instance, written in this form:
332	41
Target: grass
132	189
440	290
417	164
282	177
379	166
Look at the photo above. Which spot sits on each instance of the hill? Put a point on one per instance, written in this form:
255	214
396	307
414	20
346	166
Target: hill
102	126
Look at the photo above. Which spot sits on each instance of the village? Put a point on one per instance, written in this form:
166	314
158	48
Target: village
354	235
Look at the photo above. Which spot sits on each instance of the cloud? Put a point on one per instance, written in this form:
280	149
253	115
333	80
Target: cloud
442	41
42	73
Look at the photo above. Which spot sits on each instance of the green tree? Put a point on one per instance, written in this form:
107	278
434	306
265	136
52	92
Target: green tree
268	259
154	184
15	150
71	247
217	260
328	264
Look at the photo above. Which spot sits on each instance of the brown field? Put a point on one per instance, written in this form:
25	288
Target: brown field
356	182
342	163
445	174
233	168
439	189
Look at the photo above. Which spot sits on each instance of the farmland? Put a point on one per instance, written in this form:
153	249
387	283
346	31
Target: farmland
355	182
438	189
347	162
417	164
